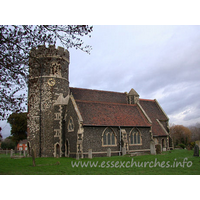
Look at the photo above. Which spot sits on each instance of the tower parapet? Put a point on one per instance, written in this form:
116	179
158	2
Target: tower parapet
48	61
51	51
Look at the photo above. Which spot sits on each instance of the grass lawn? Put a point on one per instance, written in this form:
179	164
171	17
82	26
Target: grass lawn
167	163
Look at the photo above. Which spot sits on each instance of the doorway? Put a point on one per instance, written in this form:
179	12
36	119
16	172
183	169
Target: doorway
29	149
57	150
67	148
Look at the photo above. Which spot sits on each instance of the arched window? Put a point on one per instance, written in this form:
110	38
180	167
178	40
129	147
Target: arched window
109	137
135	137
71	125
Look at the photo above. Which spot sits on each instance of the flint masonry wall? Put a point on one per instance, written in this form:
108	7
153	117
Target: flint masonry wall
71	136
48	78
93	140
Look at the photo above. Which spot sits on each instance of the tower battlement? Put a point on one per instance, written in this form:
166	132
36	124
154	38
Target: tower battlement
51	51
51	61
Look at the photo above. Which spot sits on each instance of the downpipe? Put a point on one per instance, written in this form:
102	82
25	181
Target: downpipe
120	142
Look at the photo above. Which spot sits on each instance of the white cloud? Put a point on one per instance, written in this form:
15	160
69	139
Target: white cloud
5	128
159	62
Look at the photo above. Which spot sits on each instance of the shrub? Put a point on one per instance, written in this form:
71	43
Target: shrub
182	145
8	144
190	145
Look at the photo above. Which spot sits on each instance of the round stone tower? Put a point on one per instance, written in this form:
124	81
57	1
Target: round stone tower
48	89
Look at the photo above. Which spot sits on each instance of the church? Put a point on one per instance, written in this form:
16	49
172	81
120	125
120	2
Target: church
64	121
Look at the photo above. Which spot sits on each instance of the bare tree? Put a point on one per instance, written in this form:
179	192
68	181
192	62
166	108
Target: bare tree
0	135
15	45
180	134
195	130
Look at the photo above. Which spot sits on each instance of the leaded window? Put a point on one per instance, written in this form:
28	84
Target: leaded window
109	137
135	137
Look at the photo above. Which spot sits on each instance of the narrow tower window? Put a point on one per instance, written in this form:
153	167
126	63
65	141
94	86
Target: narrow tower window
55	69
71	125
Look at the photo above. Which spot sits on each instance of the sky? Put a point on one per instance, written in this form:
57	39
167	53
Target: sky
159	61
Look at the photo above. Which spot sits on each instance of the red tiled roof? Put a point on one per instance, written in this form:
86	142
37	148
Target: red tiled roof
154	112
98	95
111	114
157	129
105	108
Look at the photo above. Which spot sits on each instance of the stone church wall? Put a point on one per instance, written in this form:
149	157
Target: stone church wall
71	136
93	140
146	138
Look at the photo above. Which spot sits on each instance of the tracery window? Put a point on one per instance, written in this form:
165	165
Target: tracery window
135	137
109	137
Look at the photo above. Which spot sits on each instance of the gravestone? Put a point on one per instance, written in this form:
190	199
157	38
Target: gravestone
196	150
11	153
198	143
109	152
134	154
152	148
123	151
158	148
90	153
77	156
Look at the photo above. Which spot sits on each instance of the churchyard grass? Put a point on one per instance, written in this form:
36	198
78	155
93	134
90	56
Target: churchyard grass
163	164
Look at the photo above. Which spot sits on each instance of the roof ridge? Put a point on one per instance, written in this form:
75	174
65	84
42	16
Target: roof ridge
153	100
98	90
